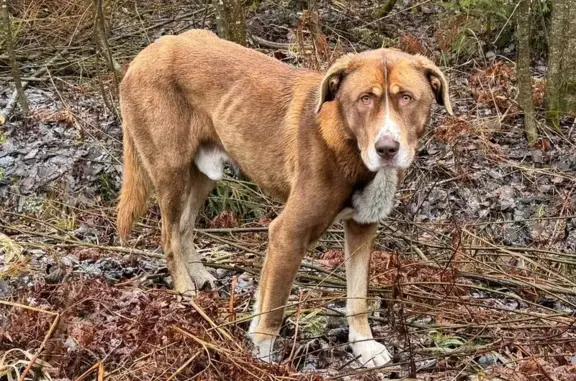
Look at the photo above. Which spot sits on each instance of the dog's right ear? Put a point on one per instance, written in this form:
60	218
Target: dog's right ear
332	80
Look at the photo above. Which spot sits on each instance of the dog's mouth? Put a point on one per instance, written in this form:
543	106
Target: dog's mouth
402	160
374	164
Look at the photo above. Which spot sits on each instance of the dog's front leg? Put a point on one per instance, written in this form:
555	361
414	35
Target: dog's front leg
359	239
303	220
286	248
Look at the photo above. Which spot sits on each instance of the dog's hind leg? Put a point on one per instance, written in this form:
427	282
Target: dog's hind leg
199	188
171	186
166	138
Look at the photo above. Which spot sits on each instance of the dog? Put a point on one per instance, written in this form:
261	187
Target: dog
330	146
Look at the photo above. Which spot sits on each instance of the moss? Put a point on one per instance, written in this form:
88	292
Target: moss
368	37
384	10
389	42
568	97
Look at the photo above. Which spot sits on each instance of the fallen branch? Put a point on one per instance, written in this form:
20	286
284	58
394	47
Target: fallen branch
48	335
271	44
334	282
35	309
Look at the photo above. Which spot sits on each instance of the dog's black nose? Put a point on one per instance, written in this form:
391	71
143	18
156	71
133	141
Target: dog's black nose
387	147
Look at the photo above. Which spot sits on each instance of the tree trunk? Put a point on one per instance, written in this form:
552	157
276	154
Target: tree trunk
569	105
556	78
13	62
523	70
230	20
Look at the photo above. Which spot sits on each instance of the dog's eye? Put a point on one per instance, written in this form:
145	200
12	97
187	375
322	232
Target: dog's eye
405	99
366	99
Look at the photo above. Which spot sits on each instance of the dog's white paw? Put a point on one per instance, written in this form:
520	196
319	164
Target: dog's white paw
371	353
263	350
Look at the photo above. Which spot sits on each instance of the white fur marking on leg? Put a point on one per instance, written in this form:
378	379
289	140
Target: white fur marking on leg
262	349
256	313
211	161
369	352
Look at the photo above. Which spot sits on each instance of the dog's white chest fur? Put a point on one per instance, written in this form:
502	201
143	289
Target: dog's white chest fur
375	201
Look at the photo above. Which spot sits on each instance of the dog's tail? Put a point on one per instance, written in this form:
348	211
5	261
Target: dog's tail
135	190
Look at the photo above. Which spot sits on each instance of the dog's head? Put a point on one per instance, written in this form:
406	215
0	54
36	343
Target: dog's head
384	97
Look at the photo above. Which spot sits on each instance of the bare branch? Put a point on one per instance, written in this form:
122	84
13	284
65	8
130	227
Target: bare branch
15	70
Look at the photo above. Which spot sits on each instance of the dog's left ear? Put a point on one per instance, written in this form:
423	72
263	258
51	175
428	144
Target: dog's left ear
332	79
438	83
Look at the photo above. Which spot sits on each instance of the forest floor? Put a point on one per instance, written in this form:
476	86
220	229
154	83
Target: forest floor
473	277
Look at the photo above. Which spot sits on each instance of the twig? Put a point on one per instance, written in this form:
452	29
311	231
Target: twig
7	303
271	44
233	244
156	26
26	79
46	337
100	34
386	8
389	15
231	312
298	313
516	283
340	282
98	366
221	330
550	272
10	105
183	366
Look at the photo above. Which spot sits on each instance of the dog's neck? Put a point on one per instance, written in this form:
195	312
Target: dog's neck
342	144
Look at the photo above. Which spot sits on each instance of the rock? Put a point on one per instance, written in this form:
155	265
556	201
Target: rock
245	282
31	155
486	360
505	195
70	344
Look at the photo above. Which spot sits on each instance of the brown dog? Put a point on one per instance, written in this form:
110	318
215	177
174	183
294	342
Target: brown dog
330	146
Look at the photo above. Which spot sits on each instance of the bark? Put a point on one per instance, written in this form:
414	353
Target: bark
555	78
523	70
230	20
13	62
569	89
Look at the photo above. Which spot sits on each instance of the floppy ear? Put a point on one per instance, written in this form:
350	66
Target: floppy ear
332	79
438	83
